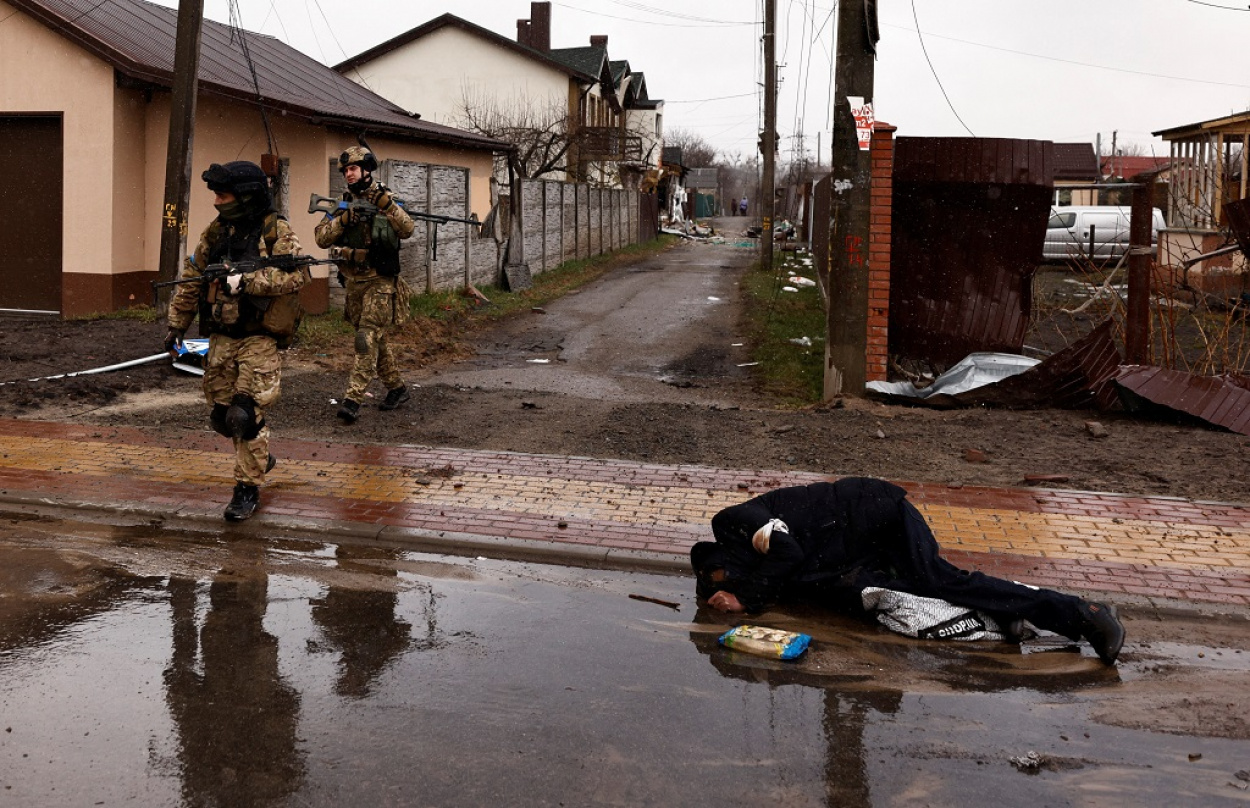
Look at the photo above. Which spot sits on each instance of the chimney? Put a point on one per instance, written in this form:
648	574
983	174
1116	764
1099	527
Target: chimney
540	26
523	32
599	40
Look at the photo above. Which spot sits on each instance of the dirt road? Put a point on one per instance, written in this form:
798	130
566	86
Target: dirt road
642	365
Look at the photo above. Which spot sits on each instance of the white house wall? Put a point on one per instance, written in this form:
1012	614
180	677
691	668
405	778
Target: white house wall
430	76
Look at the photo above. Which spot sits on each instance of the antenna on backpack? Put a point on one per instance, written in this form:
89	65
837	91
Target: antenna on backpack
360	138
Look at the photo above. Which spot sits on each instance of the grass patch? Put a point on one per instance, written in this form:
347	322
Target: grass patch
455	305
792	373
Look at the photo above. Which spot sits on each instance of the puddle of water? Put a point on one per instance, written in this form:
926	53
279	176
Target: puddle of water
322	675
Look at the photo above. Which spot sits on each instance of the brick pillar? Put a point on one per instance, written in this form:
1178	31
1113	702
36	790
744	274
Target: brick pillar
880	215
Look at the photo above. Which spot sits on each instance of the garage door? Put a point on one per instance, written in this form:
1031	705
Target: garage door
30	195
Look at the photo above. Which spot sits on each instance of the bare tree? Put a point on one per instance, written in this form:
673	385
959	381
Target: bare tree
539	130
695	151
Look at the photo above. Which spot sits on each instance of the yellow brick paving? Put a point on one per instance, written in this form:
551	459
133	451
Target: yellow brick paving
1045	535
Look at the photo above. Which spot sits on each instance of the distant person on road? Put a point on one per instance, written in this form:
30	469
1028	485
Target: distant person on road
742	206
377	297
825	543
247	318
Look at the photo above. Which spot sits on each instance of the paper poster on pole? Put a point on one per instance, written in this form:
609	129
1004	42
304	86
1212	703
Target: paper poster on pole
864	120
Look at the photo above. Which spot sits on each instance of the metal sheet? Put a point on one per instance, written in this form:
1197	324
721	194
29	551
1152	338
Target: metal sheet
1217	400
969	222
1075	378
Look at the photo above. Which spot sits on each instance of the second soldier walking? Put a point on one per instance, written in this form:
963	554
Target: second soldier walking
365	244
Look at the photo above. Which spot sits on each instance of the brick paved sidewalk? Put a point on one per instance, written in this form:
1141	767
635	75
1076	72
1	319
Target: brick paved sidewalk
1151	547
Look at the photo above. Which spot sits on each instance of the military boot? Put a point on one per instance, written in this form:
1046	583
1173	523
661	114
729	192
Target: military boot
395	397
349	411
244	503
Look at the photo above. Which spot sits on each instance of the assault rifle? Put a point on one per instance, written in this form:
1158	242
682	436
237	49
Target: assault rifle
214	273
330	206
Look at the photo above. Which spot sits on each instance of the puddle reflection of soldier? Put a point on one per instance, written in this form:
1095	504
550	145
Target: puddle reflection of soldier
361	623
235	716
844	718
825	543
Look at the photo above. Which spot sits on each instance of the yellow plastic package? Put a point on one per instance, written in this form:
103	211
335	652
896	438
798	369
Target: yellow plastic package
768	642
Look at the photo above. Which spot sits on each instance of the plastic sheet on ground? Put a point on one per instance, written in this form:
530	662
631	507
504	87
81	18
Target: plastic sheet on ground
191	356
973	371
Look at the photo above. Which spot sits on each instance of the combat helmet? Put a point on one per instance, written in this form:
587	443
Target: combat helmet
246	181
358	156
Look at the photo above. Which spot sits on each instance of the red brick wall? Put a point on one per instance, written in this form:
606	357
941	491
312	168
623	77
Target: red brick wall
879	252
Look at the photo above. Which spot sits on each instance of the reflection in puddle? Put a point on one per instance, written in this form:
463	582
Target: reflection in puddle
298	672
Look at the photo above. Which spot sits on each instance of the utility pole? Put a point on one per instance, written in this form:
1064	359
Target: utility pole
846	346
768	138
181	132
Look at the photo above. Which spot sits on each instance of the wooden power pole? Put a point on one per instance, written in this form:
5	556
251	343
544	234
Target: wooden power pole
768	138
846	347
181	135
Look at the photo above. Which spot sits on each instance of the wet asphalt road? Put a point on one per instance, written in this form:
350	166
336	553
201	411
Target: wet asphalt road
142	667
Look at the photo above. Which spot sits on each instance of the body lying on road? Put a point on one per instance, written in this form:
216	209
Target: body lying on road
830	543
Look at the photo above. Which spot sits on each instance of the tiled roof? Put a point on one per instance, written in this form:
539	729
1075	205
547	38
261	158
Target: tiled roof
1075	162
1127	166
451	20
137	38
587	59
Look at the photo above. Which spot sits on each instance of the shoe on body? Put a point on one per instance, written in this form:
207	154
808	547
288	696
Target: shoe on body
1100	625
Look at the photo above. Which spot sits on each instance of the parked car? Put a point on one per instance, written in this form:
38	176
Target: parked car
1071	230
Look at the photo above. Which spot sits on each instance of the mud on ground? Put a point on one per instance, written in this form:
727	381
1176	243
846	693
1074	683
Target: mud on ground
855	437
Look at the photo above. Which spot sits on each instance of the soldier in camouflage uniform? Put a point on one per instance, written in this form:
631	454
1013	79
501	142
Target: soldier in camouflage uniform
366	246
247	318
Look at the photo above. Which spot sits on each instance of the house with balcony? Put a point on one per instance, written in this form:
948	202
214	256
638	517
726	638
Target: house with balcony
1207	172
573	113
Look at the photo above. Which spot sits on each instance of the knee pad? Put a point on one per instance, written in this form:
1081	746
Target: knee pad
240	418
217	420
362	342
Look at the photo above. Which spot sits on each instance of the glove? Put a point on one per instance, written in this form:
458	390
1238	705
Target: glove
342	279
173	340
380	197
347	217
233	284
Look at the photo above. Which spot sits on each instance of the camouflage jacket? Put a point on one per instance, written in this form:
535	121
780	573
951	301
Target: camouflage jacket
332	232
269	300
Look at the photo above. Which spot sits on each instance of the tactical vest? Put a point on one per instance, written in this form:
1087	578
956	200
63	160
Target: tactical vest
378	237
247	315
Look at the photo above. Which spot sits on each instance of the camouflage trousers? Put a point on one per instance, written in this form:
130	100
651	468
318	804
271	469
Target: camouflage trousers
248	366
374	306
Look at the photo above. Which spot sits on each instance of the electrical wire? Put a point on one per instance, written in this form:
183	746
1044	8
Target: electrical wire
932	70
653	22
1072	61
236	27
1216	5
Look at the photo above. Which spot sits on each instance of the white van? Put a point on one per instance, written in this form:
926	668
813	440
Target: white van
1071	229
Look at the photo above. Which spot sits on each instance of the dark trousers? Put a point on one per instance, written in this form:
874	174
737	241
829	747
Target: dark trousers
917	568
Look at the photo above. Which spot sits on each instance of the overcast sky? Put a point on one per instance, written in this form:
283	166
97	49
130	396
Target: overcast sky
1062	70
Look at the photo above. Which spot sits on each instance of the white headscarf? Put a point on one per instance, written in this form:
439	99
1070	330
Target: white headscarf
760	540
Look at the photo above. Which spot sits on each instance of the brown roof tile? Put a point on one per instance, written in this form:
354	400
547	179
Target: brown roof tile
137	38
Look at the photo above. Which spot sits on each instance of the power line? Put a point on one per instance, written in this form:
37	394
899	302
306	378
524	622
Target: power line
702	100
667	13
1217	5
933	71
711	24
236	26
1071	61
